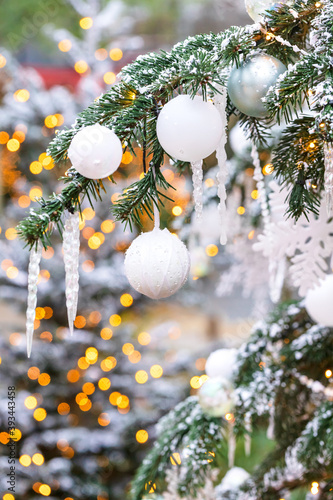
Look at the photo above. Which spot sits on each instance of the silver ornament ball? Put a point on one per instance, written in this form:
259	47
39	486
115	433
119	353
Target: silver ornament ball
249	83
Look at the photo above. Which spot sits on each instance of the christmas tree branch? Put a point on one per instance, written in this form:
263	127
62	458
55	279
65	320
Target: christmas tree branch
38	225
139	199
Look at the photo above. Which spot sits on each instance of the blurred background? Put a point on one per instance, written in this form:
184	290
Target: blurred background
86	405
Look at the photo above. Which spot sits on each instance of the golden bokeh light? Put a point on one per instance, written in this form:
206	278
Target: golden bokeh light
127	158
104	419
108	364
80	322
134	357
33	373
63	408
21	95
115	320
73	376
40	414
156	371
106	333
109	77
88	213
255	194
141	376
328	373
36	167
45	490
128	348
3	62
177	211
175	459
44	379
8	496
82	363
116	54
122	401
12	272
195	382
142	436
65	45
104	384
35	192
91	355
81	66
268	169
212	250
51	121
81	398
88	388
4	137
38	459
19	135
144	338
13	145
25	460
30	402
40	313
15	434
11	233
86	23
114	397
107	226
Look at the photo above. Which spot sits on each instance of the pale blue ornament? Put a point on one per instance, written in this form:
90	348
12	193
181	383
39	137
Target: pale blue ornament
249	83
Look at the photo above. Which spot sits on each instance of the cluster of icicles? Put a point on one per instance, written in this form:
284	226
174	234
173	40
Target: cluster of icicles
71	250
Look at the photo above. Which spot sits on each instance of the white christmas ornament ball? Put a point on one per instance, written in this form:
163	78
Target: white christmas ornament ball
216	397
157	264
319	301
221	363
256	8
95	152
234	478
189	129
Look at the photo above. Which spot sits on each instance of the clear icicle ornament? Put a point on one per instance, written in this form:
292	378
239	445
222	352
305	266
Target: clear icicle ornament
247	436
328	177
33	273
197	178
221	103
276	268
231	445
71	250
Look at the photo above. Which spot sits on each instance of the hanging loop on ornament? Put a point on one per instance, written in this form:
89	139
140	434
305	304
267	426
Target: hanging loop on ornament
156	210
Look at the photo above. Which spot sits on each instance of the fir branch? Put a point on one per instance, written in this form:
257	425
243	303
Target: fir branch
184	428
38	225
140	198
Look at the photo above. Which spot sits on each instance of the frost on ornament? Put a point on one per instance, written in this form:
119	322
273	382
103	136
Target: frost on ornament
33	273
71	251
328	160
157	264
308	243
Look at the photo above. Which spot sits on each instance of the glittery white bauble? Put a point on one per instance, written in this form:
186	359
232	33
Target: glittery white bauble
249	83
319	301
189	129
157	264
256	8
221	363
216	396
95	152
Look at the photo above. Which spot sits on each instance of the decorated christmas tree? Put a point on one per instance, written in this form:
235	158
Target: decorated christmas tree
275	77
